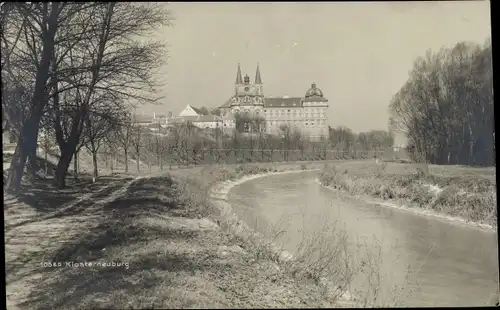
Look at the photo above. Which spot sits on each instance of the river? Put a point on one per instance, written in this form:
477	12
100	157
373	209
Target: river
442	263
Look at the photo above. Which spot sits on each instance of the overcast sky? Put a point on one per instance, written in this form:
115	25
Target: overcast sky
359	54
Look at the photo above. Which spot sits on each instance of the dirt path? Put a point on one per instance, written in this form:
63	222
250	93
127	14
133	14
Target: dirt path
135	243
30	234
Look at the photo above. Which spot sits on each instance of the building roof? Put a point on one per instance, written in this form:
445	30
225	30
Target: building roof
141	118
239	80
196	110
315	99
279	102
228	116
227	104
208	118
183	119
196	119
314	94
258	79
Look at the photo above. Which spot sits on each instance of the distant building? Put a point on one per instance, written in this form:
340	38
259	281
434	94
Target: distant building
190	111
142	119
195	116
208	121
308	114
159	118
228	121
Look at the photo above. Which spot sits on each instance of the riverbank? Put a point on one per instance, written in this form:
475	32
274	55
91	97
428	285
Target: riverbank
457	194
144	242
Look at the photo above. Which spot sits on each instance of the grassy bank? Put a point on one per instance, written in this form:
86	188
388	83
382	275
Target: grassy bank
149	242
469	193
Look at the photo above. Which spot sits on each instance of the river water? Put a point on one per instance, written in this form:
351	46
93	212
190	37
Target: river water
438	262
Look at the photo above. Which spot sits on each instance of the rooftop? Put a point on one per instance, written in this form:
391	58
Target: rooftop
278	102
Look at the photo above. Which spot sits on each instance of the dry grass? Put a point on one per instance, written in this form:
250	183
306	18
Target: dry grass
169	246
157	234
456	191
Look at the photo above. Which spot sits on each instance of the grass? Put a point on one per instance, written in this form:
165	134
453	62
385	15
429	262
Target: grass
159	236
469	193
165	245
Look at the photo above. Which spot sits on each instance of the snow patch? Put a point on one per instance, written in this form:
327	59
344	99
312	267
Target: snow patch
433	189
424	212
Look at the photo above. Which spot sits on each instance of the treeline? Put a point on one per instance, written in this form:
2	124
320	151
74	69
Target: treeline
71	71
446	106
185	145
345	139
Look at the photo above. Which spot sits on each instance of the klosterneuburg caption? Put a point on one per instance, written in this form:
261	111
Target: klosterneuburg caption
72	264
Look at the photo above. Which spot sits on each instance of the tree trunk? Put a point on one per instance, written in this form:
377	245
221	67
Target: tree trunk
62	167
94	162
46	164
68	150
17	164
137	161
29	132
106	157
75	166
126	160
112	163
32	164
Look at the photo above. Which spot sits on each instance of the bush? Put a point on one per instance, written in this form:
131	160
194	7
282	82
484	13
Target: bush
467	196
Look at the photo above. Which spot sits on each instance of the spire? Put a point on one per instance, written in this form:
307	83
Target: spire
258	80
239	80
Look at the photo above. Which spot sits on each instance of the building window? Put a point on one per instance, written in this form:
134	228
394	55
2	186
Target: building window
288	110
306	124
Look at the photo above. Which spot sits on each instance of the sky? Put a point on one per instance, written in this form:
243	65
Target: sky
358	54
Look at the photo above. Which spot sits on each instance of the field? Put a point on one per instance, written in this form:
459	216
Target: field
464	192
141	242
170	248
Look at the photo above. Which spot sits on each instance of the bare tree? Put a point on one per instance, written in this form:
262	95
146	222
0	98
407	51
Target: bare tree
286	139
160	146
445	107
204	110
108	62
48	145
41	20
137	144
123	137
99	122
215	111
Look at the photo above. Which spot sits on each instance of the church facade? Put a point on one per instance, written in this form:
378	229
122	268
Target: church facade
307	114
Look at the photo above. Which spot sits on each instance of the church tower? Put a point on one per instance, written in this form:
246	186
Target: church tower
258	82
239	79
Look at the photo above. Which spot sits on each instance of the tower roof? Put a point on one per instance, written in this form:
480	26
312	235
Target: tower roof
239	80
314	94
314	91
258	79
